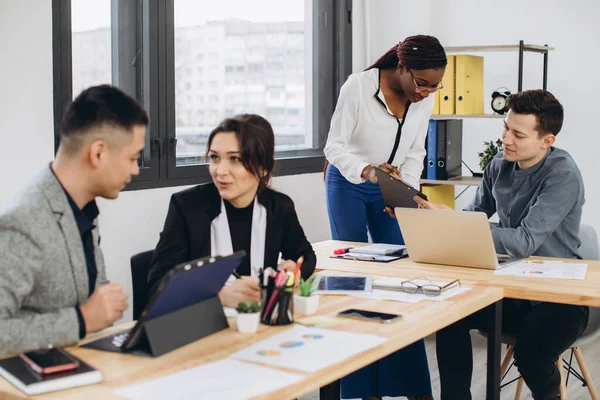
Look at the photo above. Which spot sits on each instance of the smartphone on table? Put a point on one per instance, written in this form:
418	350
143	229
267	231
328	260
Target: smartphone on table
49	361
369	315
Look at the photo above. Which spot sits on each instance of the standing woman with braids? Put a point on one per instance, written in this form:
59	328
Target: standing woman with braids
381	119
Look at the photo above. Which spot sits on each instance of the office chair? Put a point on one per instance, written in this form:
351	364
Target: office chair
140	265
590	250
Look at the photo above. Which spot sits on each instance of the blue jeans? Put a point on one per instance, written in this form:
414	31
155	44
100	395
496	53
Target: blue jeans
354	211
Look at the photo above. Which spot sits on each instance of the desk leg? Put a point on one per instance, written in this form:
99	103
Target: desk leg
331	391
493	351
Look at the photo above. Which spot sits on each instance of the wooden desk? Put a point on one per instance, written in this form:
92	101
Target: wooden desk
579	292
419	321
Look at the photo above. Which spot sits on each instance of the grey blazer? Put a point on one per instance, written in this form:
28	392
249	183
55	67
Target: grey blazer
43	272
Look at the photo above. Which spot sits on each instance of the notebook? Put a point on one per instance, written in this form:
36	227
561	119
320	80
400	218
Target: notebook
367	257
381	249
15	371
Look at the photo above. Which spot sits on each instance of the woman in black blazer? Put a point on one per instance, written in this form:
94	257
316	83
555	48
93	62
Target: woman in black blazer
237	211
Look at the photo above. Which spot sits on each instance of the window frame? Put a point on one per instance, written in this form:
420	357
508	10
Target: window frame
152	81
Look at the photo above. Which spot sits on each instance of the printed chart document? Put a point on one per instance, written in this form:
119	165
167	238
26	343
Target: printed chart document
308	349
215	380
544	269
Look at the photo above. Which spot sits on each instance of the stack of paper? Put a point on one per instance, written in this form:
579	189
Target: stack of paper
212	381
381	249
544	269
367	257
308	349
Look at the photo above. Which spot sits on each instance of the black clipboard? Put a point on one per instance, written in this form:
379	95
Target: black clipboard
396	192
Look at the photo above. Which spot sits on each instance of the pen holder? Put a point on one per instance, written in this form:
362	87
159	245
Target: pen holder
277	305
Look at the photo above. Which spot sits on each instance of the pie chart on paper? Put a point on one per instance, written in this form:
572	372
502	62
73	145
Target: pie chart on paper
290	344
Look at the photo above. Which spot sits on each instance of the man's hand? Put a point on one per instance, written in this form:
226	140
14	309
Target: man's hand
104	307
429	205
245	288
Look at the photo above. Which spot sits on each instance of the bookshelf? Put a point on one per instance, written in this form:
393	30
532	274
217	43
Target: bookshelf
458	181
498	47
521	48
463	116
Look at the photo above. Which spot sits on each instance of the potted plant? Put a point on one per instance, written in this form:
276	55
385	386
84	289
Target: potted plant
248	316
489	152
306	303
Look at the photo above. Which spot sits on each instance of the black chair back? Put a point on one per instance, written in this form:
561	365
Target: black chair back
140	265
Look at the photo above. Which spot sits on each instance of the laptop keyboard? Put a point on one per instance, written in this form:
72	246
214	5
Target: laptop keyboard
111	342
120	339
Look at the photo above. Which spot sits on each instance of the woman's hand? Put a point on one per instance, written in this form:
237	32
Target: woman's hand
368	173
391	169
290	265
245	288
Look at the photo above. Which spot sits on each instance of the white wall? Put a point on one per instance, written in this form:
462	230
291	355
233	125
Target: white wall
26	113
377	25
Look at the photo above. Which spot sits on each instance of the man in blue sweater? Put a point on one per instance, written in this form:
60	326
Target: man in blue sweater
537	191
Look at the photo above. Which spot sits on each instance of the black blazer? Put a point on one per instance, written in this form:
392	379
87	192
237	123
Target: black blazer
186	234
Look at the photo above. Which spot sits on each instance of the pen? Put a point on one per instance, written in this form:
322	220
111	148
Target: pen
298	266
342	251
237	276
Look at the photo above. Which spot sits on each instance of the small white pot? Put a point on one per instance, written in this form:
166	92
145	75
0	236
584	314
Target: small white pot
306	305
247	323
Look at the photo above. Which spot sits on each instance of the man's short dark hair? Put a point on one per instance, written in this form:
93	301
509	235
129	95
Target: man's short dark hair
103	106
547	109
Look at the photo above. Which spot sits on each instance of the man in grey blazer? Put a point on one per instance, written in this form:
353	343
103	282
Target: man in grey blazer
53	286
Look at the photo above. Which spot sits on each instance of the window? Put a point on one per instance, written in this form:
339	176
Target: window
194	62
91	44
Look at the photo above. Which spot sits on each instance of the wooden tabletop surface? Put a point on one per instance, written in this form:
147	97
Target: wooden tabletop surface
580	292
419	320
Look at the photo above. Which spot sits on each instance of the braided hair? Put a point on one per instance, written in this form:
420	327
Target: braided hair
415	52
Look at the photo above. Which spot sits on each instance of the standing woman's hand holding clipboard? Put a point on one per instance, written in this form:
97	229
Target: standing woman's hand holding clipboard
368	172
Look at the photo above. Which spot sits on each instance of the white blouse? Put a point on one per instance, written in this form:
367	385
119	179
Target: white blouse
363	131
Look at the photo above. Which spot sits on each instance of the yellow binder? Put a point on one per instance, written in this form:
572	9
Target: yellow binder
469	84
447	93
442	194
436	104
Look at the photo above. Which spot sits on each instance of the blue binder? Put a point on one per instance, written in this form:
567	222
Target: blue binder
432	149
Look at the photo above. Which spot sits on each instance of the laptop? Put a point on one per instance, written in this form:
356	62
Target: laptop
460	238
187	284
